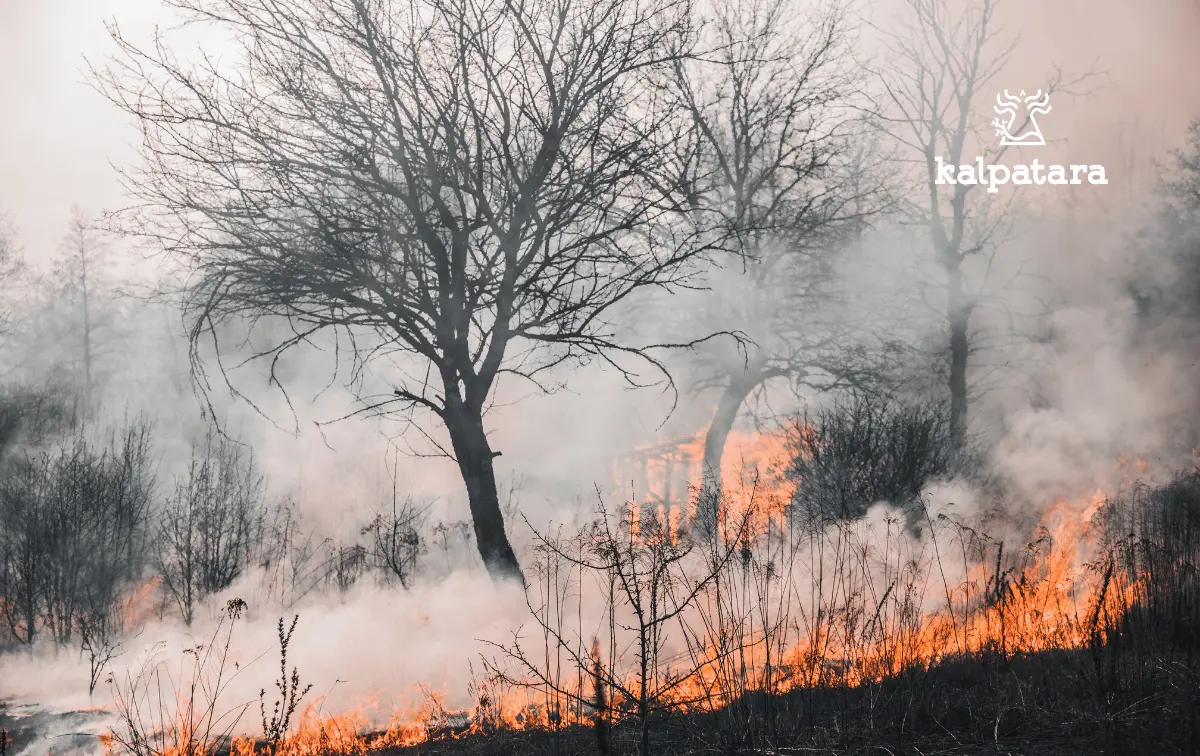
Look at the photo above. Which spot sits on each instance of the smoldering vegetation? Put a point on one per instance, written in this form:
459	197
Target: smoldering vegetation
825	456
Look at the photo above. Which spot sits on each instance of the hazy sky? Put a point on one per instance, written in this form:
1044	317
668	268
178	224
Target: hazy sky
57	136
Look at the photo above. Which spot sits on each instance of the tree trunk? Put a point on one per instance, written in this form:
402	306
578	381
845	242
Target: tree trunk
711	486
958	313
474	456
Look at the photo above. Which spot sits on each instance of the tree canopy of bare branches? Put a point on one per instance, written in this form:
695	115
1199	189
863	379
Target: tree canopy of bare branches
937	65
772	170
468	185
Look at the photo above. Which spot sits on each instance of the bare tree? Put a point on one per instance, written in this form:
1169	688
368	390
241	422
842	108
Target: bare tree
12	270
770	171
73	318
464	183
941	58
395	539
79	274
213	525
73	534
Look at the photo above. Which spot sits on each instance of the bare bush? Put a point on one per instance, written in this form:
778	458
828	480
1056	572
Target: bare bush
73	536
33	415
395	540
213	524
297	560
863	449
650	574
347	563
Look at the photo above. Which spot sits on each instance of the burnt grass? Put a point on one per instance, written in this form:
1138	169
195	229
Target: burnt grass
1109	700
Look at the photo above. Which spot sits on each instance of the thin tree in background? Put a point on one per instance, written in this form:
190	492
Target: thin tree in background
79	274
1166	283
772	169
469	187
12	272
936	103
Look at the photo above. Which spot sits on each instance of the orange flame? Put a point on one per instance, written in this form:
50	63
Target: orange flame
1050	597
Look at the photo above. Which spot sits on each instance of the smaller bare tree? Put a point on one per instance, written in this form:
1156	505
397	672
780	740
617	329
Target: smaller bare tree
651	574
396	543
937	63
777	171
79	275
12	271
101	629
213	524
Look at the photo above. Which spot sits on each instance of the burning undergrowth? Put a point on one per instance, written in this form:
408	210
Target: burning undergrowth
773	630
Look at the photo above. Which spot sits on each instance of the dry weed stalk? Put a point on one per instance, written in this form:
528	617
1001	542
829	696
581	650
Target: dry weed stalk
165	714
276	728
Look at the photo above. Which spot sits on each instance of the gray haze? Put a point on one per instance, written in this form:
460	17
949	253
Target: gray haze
57	138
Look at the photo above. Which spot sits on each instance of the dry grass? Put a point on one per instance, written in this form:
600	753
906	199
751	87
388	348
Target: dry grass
855	638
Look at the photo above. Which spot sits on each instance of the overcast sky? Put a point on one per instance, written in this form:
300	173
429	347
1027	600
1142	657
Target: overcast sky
57	136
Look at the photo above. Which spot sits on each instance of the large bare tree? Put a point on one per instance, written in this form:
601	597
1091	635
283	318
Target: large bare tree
770	170
469	183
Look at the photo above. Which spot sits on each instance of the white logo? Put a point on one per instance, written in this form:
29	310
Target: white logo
1007	105
992	176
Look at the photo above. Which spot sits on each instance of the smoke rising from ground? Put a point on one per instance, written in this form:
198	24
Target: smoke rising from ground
1063	404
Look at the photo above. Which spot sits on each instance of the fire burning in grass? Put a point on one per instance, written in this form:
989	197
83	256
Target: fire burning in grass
349	732
638	613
